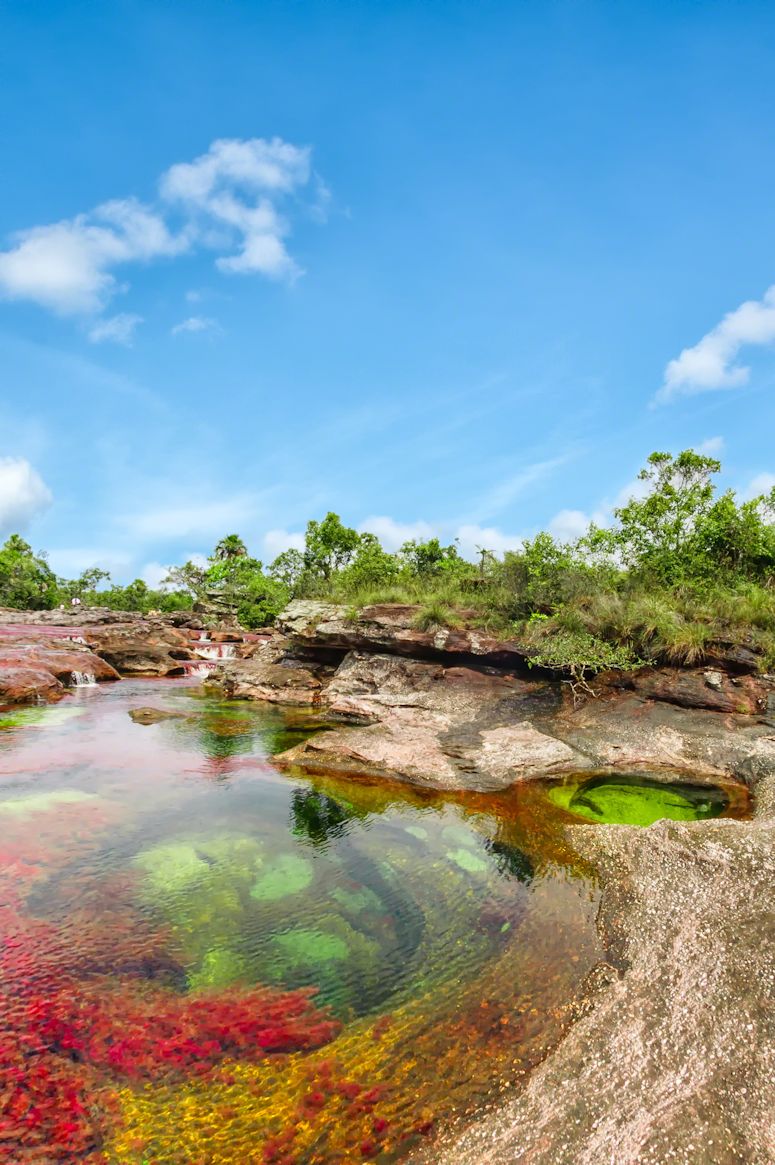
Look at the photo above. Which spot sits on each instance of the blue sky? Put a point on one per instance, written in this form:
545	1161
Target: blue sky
441	267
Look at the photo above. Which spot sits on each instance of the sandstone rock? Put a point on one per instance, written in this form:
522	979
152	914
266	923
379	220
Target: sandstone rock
389	628
62	662
24	685
691	689
673	1059
141	648
154	715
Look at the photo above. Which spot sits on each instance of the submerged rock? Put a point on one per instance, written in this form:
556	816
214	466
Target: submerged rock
153	715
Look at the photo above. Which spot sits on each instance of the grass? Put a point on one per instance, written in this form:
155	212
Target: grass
595	627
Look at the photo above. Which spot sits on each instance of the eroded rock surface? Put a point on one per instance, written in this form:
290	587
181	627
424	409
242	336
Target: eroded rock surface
674	1061
447	718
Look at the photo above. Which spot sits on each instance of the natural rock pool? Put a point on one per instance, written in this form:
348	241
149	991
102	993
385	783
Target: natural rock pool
207	962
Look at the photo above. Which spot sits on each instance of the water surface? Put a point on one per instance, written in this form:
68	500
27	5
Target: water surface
208	962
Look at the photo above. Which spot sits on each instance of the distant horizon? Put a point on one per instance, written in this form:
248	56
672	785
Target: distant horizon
446	270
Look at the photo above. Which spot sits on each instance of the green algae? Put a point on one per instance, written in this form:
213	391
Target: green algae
416	831
468	861
50	716
288	874
219	968
358	900
42	802
458	835
637	800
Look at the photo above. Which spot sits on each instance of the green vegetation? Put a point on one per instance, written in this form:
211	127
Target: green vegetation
681	567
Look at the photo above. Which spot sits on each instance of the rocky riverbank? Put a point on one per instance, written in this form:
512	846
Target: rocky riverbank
42	653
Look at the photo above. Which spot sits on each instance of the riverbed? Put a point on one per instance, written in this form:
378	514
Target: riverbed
207	961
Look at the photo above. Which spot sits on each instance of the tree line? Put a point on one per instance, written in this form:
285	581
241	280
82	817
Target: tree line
679	564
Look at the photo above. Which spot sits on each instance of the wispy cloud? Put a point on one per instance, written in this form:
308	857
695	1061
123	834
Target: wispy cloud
205	519
712	363
231	200
23	494
393	534
496	499
117	329
196	324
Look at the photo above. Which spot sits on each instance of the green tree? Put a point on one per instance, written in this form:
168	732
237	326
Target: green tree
654	533
229	547
329	546
26	579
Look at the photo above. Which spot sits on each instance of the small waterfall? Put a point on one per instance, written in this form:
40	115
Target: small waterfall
82	679
74	638
217	651
197	667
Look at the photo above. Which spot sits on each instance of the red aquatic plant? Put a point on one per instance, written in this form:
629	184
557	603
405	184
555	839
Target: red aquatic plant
65	1039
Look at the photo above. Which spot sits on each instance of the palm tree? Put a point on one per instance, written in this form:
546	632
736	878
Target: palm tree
231	546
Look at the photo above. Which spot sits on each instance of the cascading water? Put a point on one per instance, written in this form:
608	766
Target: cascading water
216	651
197	667
82	679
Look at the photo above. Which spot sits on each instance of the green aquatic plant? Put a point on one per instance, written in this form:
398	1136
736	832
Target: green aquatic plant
637	800
219	968
50	716
288	874
468	861
42	802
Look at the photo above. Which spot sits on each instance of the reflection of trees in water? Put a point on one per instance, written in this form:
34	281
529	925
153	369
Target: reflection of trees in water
318	818
512	862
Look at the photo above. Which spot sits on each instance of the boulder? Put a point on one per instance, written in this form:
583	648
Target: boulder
154	715
142	648
62	662
28	685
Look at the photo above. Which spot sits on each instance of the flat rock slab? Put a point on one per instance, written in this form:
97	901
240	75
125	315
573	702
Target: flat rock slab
674	1061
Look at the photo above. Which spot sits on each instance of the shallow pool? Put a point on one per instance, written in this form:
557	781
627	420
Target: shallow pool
208	962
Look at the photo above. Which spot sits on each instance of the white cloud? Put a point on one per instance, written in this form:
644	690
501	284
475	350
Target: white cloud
65	266
236	185
504	492
393	534
117	329
761	484
153	573
229	199
276	541
196	324
71	561
711	447
23	494
472	538
205	519
712	362
568	525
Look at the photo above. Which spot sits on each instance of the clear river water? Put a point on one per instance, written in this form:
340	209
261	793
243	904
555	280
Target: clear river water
207	961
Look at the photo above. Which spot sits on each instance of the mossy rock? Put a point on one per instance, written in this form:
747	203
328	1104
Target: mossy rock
636	800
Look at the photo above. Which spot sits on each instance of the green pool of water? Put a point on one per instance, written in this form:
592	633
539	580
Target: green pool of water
636	799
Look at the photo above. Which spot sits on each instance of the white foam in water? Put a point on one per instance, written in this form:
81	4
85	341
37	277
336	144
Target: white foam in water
217	651
75	638
82	679
198	669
